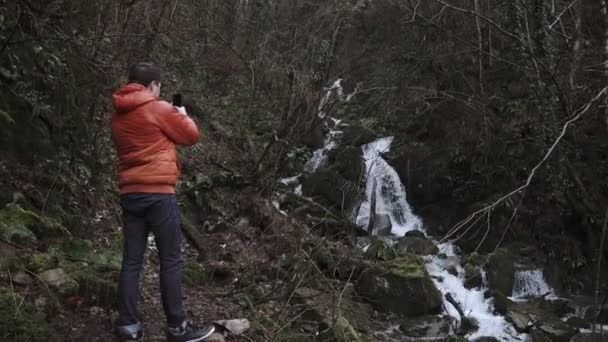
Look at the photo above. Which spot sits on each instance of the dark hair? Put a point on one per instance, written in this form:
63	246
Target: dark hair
144	73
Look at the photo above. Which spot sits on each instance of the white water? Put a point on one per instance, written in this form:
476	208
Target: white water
390	192
391	199
530	283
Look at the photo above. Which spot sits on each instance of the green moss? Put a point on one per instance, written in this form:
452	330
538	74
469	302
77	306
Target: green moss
98	288
193	274
343	331
82	250
19	320
39	262
380	250
18	224
406	267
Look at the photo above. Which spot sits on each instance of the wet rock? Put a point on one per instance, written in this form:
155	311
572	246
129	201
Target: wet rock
357	135
326	183
453	270
382	225
589	337
431	327
538	336
468	325
520	320
347	162
472	276
401	286
380	250
501	302
416	245
60	280
415	234
555	329
315	137
343	331
22	278
598	316
578	323
501	271
486	339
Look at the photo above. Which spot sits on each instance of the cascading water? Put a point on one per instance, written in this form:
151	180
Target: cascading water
391	199
530	283
389	191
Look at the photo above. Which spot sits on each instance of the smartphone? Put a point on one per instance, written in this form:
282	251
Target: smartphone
177	100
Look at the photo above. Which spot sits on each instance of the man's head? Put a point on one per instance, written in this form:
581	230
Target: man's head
146	74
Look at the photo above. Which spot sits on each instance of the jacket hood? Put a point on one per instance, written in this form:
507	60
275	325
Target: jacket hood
131	96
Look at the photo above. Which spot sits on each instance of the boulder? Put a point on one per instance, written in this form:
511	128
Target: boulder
555	329
315	137
486	339
472	276
347	161
343	331
416	245
60	280
589	337
401	286
538	336
432	328
501	302
501	271
520	320
22	278
356	135
415	233
329	185
578	323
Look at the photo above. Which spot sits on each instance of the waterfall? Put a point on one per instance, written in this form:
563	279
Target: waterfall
390	193
530	283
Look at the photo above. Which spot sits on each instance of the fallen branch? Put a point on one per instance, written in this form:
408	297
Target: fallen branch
579	113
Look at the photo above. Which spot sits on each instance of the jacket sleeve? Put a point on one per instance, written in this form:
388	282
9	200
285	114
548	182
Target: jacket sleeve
181	129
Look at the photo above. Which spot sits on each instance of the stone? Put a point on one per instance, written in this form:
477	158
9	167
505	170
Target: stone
501	302
315	137
216	337
235	326
382	225
520	320
22	278
416	245
578	323
334	188
468	325
415	234
555	329
453	270
472	277
401	286
486	339
429	326
60	280
501	271
8	255
589	337
39	262
343	331
538	336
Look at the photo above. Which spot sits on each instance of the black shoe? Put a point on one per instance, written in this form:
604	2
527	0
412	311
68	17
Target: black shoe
133	332
188	332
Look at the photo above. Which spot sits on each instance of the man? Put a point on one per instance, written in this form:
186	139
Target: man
146	131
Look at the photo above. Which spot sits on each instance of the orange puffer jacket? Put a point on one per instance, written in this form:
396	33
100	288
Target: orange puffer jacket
145	132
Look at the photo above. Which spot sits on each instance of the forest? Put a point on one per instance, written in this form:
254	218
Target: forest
368	170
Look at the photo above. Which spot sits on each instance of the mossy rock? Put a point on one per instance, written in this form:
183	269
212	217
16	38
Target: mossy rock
501	271
193	275
97	288
343	331
20	320
40	262
401	286
58	279
83	251
20	225
380	250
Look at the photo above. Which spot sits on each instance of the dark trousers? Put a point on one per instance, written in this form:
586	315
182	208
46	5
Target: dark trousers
159	214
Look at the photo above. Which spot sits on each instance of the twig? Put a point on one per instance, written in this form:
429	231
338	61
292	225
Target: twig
600	256
559	16
582	110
